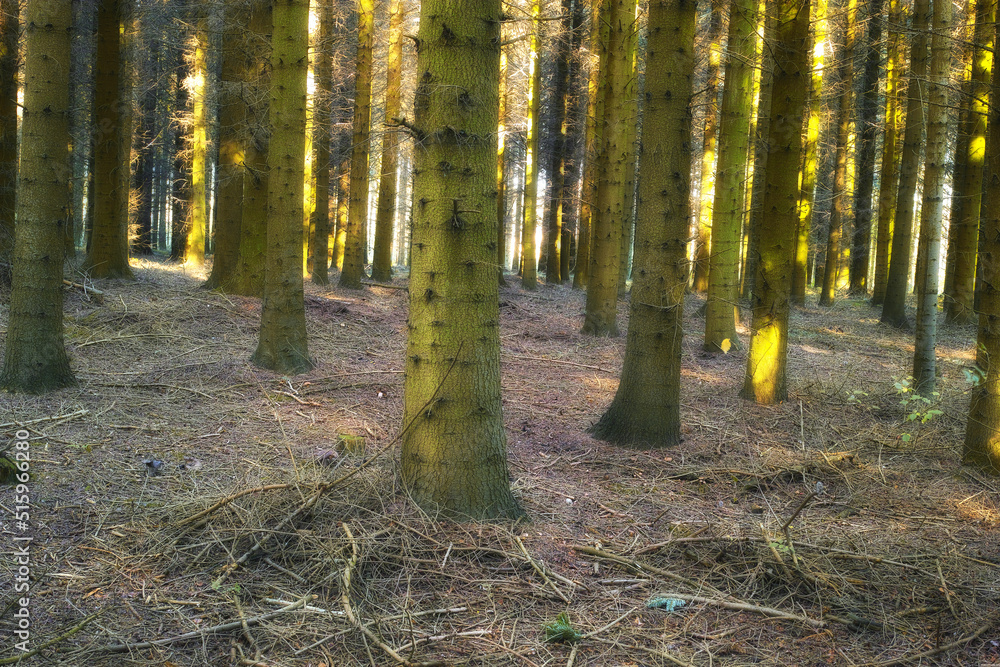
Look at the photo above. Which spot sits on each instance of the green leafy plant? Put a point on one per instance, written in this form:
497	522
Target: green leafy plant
921	408
561	631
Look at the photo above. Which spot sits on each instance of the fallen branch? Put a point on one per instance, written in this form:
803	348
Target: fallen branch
746	606
935	651
55	640
230	498
642	567
224	627
87	291
55	418
563	363
540	570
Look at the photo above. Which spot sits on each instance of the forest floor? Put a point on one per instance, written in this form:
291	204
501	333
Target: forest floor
895	561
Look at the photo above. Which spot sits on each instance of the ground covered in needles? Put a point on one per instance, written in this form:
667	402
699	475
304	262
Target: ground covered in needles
191	509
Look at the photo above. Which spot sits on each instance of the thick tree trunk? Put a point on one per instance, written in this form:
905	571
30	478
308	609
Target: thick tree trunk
282	346
932	209
454	451
765	380
194	253
107	256
8	131
645	411
734	138
35	357
894	306
355	245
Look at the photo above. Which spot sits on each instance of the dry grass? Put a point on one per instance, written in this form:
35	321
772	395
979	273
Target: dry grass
896	560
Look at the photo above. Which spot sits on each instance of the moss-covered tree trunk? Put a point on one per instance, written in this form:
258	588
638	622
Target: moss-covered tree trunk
282	346
35	357
982	430
932	209
601	317
356	240
529	250
8	130
646	409
889	175
966	201
454	452
864	163
323	72
229	180
734	139
894	305
765	380
386	211
845	114
107	256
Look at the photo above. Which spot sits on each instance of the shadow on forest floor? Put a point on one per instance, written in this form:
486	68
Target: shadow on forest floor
899	556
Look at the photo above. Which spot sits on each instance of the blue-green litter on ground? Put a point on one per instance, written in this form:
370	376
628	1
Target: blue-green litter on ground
666	604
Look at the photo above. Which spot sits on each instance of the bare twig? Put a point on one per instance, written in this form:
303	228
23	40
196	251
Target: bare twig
540	570
55	640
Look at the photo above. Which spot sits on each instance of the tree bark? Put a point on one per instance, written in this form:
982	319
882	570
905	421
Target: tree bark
529	267
322	126
386	212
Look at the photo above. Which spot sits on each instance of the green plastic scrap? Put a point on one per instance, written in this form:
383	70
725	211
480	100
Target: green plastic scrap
666	604
561	631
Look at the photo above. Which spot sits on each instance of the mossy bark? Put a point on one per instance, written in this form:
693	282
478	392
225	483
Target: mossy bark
454	450
765	380
35	357
734	138
646	409
282	346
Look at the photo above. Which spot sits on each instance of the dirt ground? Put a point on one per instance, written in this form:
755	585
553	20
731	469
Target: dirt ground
175	459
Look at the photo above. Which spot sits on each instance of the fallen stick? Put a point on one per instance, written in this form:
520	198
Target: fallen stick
88	291
934	651
540	570
66	417
224	627
230	498
642	567
746	606
55	640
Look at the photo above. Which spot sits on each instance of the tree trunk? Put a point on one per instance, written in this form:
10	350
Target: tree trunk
282	346
355	245
645	411
454	451
8	131
864	164
194	253
765	380
108	253
706	195
558	177
502	170
838	208
963	240
529	268
35	359
982	429
734	138
894	306
932	209
889	177
322	126
382	264
602	289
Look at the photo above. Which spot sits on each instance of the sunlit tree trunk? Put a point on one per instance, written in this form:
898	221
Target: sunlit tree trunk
838	208
454	450
386	212
502	170
966	199
356	241
630	158
559	202
8	130
602	289
765	380
864	164
810	157
932	209
35	357
107	256
982	430
282	346
889	175
706	196
645	411
194	253
593	138
529	268
323	72
734	139
894	306
343	202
